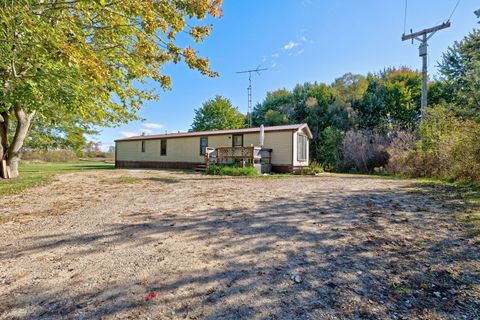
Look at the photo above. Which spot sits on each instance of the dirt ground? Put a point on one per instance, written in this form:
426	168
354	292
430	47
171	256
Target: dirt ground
93	244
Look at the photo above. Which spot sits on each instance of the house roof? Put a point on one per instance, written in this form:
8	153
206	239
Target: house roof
289	127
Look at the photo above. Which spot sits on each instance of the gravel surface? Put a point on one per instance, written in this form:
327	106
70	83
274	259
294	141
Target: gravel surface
172	245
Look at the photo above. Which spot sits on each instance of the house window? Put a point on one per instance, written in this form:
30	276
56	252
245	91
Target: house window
163	147
143	146
301	147
237	140
203	145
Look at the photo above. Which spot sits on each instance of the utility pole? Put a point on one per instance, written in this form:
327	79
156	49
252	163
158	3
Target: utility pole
423	37
249	90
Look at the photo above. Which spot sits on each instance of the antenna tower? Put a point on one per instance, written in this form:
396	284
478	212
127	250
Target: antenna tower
249	90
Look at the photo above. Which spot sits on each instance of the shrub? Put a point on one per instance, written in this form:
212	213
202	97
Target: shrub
363	151
449	148
224	170
401	143
49	155
313	169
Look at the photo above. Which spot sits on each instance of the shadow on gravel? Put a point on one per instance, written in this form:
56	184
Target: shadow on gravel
377	255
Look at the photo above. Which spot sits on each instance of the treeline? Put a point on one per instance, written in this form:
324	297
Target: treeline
374	122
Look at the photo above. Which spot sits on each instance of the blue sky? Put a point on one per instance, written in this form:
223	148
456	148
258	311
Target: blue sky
298	41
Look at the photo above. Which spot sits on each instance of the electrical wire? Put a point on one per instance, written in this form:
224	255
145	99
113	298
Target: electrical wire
454	9
405	17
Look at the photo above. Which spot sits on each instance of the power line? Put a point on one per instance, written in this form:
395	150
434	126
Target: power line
423	37
405	17
454	9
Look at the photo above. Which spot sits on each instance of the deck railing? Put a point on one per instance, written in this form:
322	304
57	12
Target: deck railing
239	155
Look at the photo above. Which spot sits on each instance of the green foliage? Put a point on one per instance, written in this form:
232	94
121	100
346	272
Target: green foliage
47	134
460	68
77	63
449	148
331	147
392	99
217	114
313	169
274	110
224	170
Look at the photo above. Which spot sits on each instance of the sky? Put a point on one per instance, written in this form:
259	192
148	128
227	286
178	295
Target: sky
298	41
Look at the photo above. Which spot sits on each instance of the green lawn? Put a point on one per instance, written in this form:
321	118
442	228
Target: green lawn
34	174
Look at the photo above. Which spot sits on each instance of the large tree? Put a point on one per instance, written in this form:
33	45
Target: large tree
89	59
460	68
217	114
392	98
276	109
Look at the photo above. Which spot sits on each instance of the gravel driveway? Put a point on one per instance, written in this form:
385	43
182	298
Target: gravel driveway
94	244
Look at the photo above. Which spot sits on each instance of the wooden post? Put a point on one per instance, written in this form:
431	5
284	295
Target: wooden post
3	169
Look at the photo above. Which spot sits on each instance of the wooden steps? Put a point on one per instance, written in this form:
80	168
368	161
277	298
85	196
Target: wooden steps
201	168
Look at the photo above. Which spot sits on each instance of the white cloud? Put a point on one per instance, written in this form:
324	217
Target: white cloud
127	134
153	125
275	55
303	38
290	45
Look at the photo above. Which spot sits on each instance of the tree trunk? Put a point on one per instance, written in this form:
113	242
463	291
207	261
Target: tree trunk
3	135
24	121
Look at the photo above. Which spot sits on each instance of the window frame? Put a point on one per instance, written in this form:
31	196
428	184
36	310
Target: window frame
202	149
143	146
163	151
233	140
302	147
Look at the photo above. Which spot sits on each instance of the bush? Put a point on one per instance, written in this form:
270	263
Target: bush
313	169
363	151
223	170
401	143
449	148
49	155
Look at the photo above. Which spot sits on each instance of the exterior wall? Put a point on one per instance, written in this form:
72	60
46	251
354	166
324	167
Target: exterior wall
279	141
297	163
178	150
188	149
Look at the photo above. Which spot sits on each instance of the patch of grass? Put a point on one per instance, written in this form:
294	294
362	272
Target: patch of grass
35	174
400	288
164	180
231	171
469	192
121	180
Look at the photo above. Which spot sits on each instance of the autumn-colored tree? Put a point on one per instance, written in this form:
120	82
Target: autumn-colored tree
90	59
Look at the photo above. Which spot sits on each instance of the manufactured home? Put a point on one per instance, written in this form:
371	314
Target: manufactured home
279	148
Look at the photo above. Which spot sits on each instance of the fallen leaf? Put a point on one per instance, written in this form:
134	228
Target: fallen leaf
150	296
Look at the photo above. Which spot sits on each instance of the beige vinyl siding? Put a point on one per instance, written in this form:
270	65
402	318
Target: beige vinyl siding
188	149
297	163
220	141
178	150
279	141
